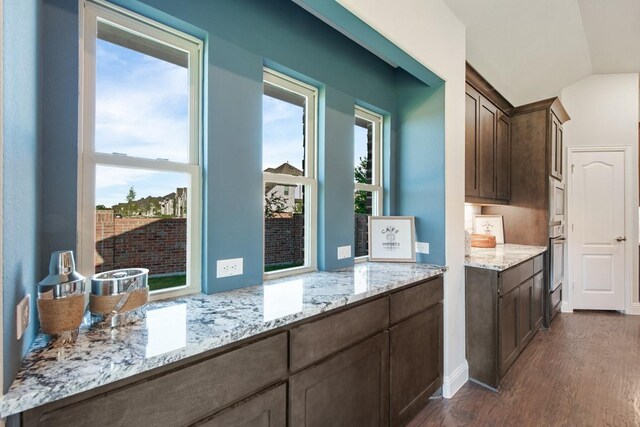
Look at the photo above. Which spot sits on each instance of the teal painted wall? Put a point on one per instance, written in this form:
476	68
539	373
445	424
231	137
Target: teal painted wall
21	204
41	93
419	158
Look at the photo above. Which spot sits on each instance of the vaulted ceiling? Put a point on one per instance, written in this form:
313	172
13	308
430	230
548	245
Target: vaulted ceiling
531	49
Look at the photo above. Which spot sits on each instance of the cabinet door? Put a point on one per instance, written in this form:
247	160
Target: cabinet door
536	302
348	389
555	165
508	326
416	363
472	109
486	149
503	157
559	151
268	409
525	318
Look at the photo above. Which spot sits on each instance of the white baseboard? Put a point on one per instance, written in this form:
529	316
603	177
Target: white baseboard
452	383
635	309
566	307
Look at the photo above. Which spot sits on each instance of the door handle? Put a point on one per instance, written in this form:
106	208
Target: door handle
621	239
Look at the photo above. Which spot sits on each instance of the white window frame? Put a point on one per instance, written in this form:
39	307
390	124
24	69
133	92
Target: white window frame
309	180
89	159
376	153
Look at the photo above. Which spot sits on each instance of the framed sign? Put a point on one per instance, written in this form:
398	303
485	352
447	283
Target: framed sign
489	224
392	238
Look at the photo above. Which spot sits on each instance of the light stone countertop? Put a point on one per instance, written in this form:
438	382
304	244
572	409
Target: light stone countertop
172	330
502	257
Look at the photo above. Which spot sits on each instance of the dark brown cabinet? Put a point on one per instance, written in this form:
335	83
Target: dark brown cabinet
348	389
503	157
416	363
508	306
472	106
376	362
525	315
537	150
487	148
556	147
268	409
537	302
487	143
503	313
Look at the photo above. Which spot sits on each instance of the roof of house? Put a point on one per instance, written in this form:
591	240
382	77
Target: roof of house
284	169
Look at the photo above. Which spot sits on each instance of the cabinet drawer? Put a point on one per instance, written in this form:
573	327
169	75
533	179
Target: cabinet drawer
512	277
417	298
312	341
185	395
538	263
268	409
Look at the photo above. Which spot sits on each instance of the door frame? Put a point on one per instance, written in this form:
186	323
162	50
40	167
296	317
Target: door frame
630	225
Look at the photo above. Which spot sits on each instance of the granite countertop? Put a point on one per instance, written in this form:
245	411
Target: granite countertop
502	256
175	329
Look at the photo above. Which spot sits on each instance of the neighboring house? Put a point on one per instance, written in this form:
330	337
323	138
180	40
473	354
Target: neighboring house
290	193
172	205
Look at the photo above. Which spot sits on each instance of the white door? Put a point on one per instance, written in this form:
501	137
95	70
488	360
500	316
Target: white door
598	209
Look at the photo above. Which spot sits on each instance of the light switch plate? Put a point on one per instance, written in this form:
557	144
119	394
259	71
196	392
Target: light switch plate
422	248
229	267
344	252
22	316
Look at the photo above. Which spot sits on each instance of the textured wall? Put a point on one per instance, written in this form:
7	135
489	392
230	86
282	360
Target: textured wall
21	198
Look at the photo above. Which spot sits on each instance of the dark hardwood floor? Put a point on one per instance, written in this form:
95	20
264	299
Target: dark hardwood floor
585	371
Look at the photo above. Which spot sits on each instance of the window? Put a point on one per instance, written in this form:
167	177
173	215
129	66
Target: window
367	175
140	172
288	163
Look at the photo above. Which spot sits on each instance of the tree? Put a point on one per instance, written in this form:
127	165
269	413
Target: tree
362	197
274	203
361	171
131	196
101	208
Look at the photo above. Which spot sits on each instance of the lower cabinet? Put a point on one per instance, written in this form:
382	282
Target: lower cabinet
372	364
508	313
268	409
537	309
348	389
416	363
503	313
525	315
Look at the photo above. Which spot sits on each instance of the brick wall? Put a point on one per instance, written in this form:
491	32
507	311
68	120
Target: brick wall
159	244
284	240
361	237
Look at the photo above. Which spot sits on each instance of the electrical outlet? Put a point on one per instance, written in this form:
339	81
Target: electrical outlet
22	316
344	252
422	248
229	267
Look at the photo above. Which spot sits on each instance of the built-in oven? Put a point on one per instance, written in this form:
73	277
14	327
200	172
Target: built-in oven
556	202
557	252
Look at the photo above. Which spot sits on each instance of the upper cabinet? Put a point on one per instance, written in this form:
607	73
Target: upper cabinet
487	143
544	118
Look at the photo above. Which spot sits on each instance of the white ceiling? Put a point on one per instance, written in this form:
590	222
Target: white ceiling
531	49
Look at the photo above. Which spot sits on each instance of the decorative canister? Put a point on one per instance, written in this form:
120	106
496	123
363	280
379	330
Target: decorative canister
115	293
61	296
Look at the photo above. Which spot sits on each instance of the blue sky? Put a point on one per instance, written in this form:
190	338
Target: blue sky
142	111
